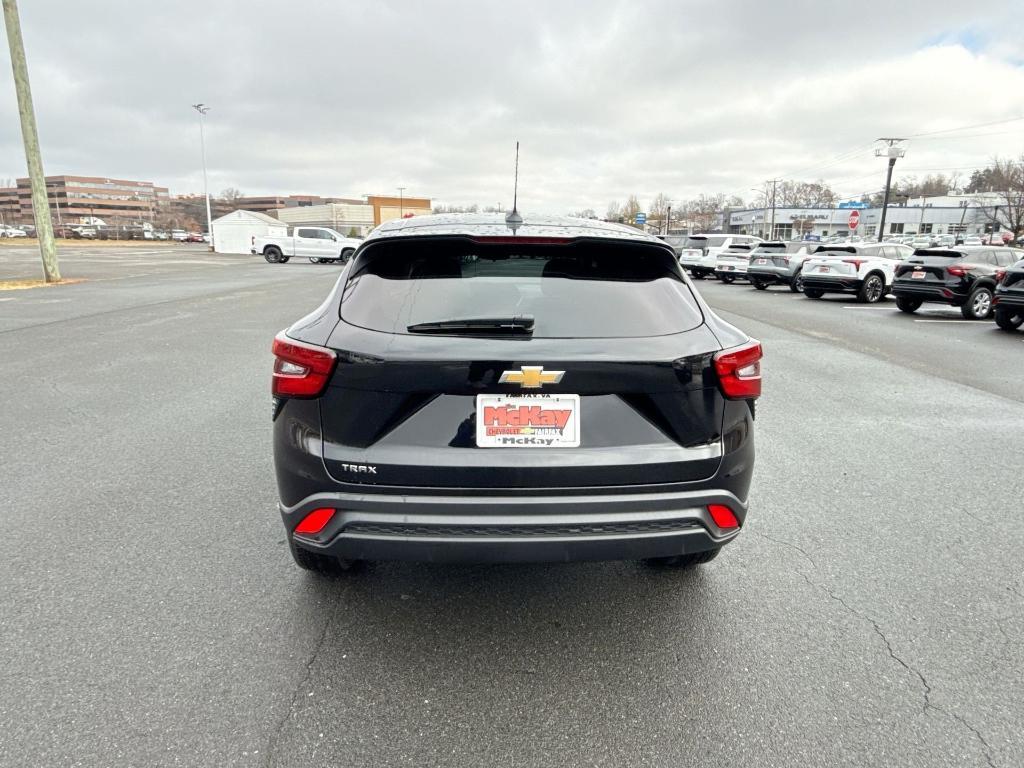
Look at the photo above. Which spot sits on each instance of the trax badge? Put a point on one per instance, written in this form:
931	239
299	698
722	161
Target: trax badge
531	377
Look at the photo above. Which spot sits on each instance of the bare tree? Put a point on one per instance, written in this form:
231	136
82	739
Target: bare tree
804	194
630	210
230	198
1005	177
659	207
586	213
704	211
614	212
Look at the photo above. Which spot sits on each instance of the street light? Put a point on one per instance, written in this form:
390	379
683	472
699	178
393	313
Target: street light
202	109
893	152
401	202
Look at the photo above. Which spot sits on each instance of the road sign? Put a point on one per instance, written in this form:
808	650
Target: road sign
854	218
641	218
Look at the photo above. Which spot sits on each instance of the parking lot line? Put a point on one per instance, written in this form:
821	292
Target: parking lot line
951	320
857	306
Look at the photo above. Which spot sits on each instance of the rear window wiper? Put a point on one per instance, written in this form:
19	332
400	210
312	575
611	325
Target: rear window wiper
521	325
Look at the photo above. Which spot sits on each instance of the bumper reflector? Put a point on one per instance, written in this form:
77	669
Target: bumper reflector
315	521
723	516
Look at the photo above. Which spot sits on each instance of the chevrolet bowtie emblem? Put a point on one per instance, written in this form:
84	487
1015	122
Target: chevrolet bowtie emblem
531	377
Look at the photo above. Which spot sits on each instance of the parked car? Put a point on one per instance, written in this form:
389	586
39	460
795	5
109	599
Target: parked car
700	256
972	240
194	237
1009	296
963	277
732	263
84	233
12	232
945	241
320	245
575	441
161	234
779	263
179	235
865	269
676	241
922	241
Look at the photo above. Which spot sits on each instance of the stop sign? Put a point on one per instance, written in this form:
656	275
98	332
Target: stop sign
854	219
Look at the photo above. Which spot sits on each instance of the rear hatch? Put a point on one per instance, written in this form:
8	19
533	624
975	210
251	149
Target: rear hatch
833	261
769	254
735	258
697	247
929	265
515	363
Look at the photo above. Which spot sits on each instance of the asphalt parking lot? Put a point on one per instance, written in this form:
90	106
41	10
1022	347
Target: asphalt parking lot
871	612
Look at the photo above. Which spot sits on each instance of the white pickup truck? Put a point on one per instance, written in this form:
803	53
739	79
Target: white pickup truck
320	245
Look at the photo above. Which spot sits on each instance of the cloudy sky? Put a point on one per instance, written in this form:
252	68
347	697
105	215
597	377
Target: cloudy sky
608	98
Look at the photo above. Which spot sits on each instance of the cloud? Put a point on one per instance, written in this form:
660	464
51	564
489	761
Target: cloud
608	98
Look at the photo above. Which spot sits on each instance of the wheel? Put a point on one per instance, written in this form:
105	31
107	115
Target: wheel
907	304
760	285
696	275
813	293
1009	318
347	254
272	254
872	289
727	279
684	561
796	285
978	305
311	561
284	259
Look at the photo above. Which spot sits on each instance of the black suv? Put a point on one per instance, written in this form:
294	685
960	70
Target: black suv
964	276
474	390
1009	296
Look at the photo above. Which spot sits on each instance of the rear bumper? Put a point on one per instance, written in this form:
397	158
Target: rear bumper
833	284
770	274
925	292
503	529
1008	299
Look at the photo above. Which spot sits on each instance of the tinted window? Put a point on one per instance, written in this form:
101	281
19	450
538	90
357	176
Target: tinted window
575	290
308	233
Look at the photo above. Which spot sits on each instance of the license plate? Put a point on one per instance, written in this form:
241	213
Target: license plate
527	421
823	269
917	274
761	261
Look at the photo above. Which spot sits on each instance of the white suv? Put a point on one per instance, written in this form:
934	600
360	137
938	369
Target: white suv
700	252
865	269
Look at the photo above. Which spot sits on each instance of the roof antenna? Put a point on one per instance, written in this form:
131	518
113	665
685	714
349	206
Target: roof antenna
513	220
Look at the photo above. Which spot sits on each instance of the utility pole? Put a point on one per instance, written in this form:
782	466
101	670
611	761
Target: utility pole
30	137
771	232
893	152
401	202
202	109
668	219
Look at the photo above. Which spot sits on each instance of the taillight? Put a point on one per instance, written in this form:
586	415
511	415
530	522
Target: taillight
856	262
723	516
315	521
739	370
300	369
961	270
1000	274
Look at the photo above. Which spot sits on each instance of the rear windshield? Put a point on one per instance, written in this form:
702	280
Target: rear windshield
580	290
706	242
938	252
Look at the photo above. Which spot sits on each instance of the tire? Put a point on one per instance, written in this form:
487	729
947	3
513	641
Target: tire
272	254
311	561
872	289
684	561
1009	318
284	260
978	305
813	293
727	279
908	305
760	285
347	254
796	285
696	275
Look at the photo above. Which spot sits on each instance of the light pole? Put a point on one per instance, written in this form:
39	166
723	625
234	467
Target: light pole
401	202
893	152
202	109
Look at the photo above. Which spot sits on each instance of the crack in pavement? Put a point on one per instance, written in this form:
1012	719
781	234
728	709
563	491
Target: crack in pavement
275	735
926	687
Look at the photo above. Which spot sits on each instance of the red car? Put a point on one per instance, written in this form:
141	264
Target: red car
194	237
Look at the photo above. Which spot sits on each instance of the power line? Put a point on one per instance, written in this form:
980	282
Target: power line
966	127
